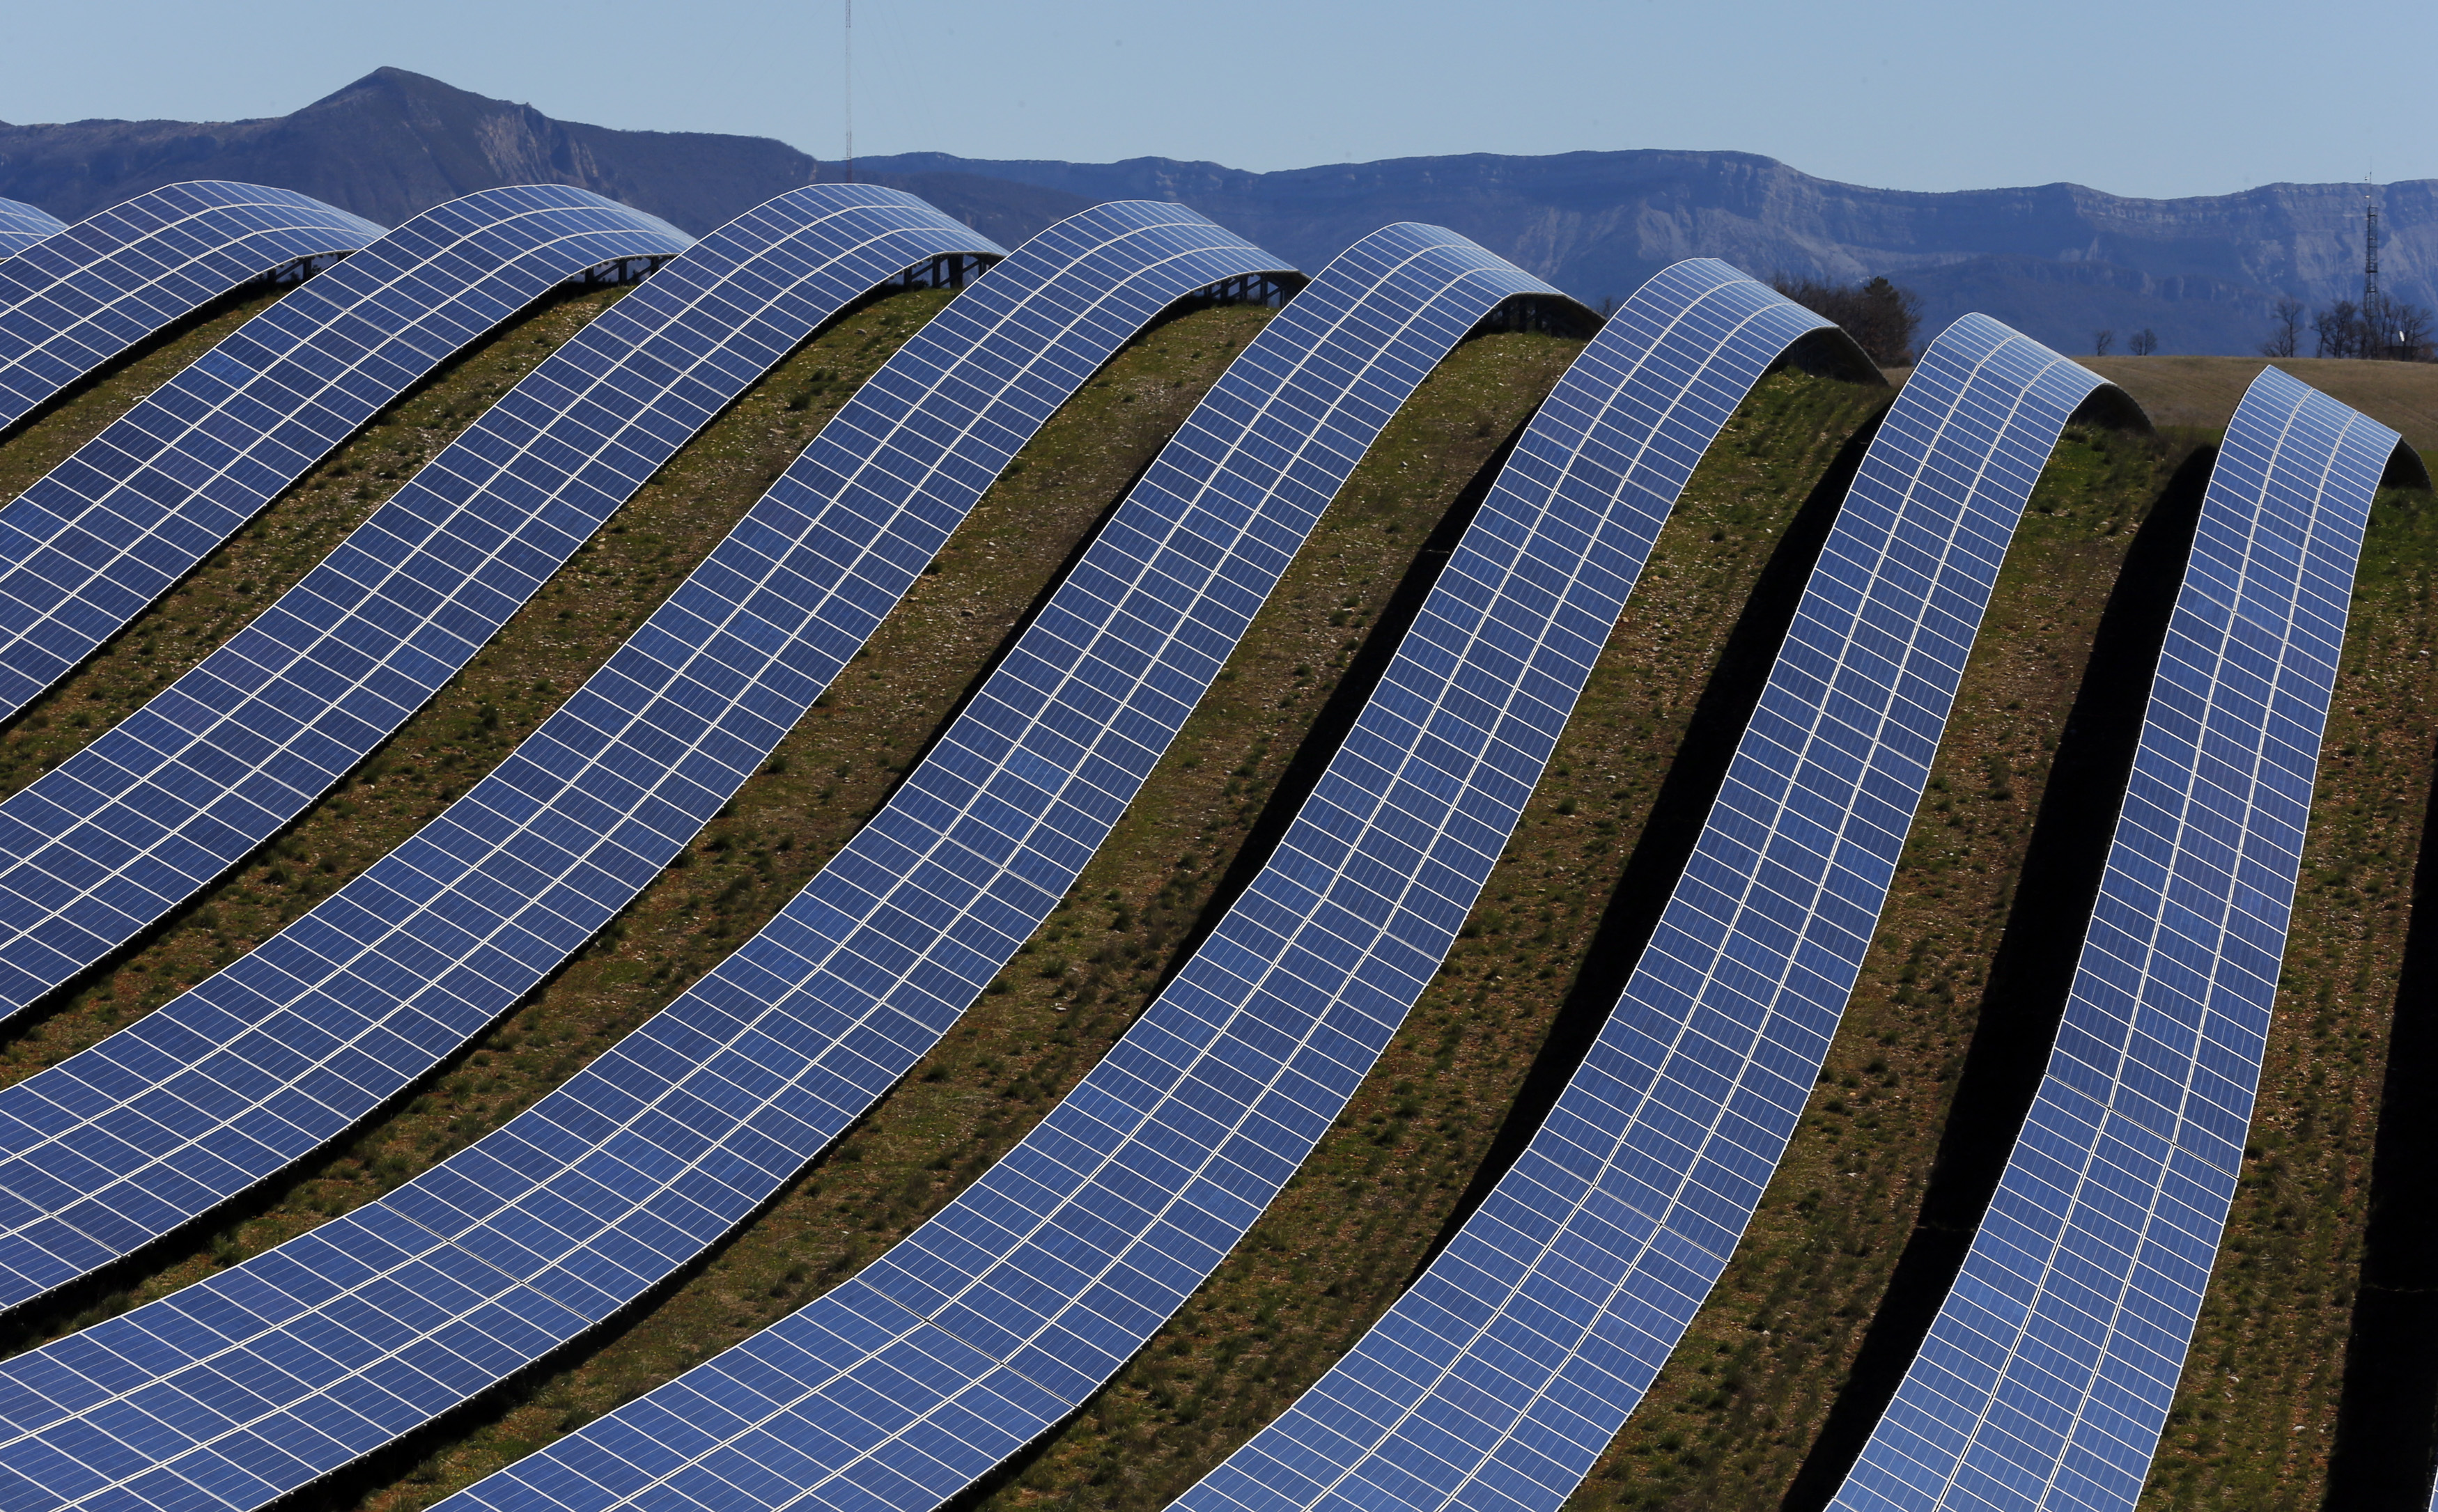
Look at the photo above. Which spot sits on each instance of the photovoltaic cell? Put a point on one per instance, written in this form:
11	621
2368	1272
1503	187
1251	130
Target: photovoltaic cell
1499	1377
345	1008
89	544
656	1171
127	829
94	290
999	1317
22	225
2046	1375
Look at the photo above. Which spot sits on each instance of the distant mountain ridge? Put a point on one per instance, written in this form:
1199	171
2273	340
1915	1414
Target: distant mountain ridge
2058	260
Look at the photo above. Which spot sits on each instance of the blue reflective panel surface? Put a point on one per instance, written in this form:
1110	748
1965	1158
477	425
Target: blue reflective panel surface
22	225
92	541
132	826
999	1317
958	399
104	284
1496	1380
2046	1377
664	1141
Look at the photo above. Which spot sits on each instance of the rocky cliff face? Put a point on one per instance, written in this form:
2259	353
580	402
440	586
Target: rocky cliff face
2058	260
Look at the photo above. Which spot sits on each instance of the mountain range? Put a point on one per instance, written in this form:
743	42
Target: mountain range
2057	261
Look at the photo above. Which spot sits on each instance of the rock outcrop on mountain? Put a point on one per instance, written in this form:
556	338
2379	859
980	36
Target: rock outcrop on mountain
2058	261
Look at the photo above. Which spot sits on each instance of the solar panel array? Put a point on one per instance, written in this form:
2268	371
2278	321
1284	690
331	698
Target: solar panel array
94	290
995	1320
127	829
446	1310
1498	1377
88	545
22	225
2046	1375
342	1009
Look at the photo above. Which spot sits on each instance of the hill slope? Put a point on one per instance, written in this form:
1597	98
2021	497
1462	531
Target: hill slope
1758	1408
394	143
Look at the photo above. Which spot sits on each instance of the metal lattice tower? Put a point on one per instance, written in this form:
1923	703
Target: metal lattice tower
2369	259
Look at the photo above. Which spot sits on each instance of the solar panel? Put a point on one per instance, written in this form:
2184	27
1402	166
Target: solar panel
22	225
838	1005
316	1028
998	1317
2046	1377
1498	1377
101	847
89	544
88	294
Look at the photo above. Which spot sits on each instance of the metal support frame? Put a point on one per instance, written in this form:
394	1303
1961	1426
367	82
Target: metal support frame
1538	313
954	271
621	271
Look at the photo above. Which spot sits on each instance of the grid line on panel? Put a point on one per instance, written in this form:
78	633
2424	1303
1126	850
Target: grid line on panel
2046	1375
912	1308
23	225
1499	1377
95	288
90	543
445	1239
103	846
375	962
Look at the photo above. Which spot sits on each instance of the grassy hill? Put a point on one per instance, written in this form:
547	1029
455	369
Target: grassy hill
1787	1365
2203	391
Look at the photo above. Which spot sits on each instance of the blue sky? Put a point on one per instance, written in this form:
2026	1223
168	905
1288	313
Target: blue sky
2134	99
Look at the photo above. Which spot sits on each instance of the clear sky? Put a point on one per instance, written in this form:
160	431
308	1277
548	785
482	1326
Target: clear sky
2123	95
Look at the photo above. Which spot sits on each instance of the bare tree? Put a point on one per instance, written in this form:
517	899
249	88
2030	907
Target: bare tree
2143	343
2338	330
2286	337
1880	316
2101	341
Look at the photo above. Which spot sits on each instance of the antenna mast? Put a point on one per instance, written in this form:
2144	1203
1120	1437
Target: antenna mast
850	90
2373	316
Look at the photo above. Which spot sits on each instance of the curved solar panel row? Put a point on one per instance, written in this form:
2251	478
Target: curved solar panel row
287	1046
127	829
482	1264
22	225
2045	1379
998	1317
85	548
1497	1378
111	280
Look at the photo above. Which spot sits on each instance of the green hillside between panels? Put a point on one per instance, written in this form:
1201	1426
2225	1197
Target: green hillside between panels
1787	1364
